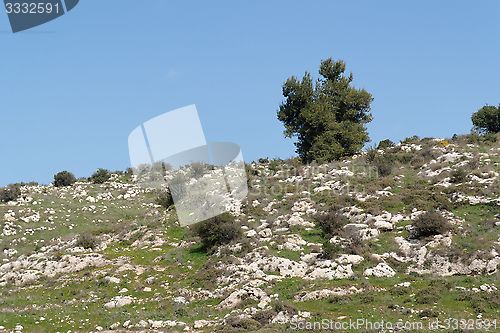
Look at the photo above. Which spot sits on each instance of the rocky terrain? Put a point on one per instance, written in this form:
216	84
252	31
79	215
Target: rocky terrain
107	257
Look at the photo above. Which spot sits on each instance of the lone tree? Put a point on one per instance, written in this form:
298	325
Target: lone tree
327	118
487	119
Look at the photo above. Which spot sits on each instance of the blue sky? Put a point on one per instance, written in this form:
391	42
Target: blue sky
72	90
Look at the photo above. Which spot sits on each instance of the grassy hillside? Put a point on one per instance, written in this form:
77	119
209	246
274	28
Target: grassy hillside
103	257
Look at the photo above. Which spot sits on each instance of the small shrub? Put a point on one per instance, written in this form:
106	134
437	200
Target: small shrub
403	157
275	164
357	246
371	154
331	223
10	193
246	324
417	162
87	241
64	178
280	306
329	250
207	276
384	165
217	231
367	298
337	299
165	199
199	169
177	186
429	313
57	255
473	138
458	175
426	296
385	144
410	140
264	317
180	311
417	196
474	163
428	154
480	302
490	137
100	176
429	224
432	293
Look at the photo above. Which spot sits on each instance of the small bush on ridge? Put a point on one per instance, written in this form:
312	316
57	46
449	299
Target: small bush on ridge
10	193
100	176
385	144
64	178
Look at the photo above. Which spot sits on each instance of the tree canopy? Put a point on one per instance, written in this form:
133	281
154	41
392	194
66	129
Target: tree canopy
328	118
487	119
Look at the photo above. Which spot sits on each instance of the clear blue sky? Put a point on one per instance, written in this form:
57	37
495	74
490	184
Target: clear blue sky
73	89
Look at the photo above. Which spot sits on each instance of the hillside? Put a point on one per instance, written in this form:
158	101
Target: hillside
107	257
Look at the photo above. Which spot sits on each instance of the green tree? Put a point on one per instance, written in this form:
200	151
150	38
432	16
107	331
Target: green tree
100	176
327	118
487	119
64	178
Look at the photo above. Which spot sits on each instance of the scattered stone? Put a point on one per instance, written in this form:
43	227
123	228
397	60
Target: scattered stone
381	270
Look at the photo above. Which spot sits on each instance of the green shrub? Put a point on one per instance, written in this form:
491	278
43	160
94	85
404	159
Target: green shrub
385	144
491	137
458	175
417	162
426	297
339	300
420	197
100	176
10	193
371	154
87	241
331	223
177	186
411	140
164	199
280	306
64	178
217	231
428	154
432	293
384	165
275	164
357	246
429	224
480	302
428	313
329	250
264	317
243	324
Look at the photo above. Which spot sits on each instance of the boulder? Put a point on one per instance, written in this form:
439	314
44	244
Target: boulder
381	270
